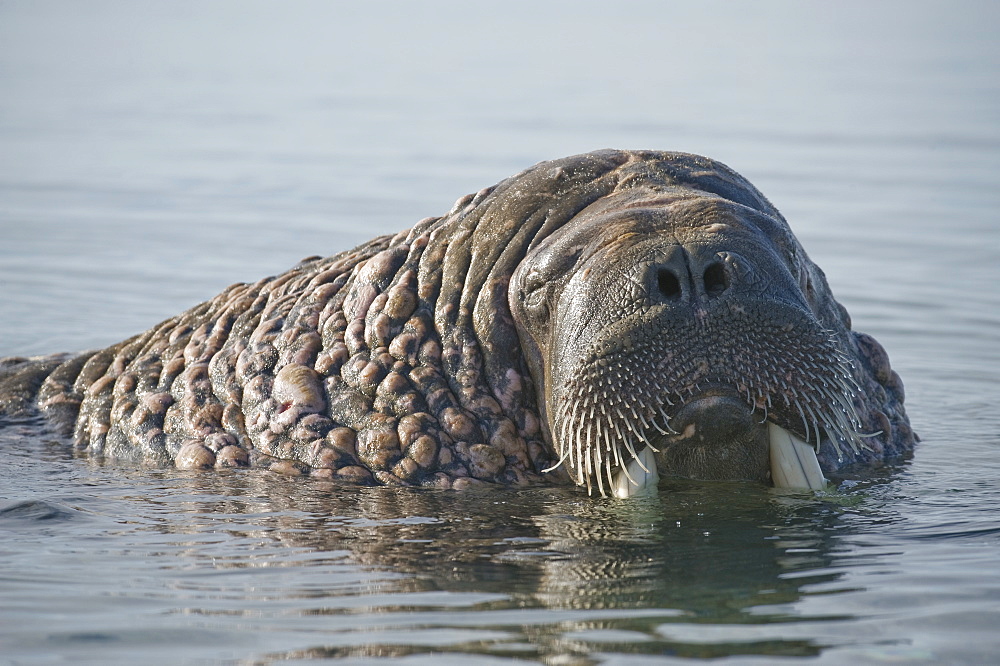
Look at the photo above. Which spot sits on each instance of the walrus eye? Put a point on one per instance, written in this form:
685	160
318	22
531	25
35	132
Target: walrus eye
535	304
534	296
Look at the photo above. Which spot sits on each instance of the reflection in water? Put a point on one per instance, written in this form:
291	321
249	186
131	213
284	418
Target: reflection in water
547	571
713	551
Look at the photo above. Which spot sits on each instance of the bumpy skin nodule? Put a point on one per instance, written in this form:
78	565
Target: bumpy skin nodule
474	346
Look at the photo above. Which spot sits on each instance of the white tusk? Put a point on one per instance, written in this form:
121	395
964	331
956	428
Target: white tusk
635	478
793	462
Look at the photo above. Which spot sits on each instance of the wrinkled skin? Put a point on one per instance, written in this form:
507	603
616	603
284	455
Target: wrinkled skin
653	287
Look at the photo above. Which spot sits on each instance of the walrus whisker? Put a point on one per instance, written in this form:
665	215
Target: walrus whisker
578	441
590	432
626	421
618	430
845	418
666	422
589	467
624	470
608	473
642	435
617	452
846	415
815	424
645	439
564	451
598	473
628	440
558	464
837	418
630	445
583	447
805	423
575	460
605	431
564	447
638	459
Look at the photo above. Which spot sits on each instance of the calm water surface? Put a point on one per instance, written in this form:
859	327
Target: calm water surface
153	153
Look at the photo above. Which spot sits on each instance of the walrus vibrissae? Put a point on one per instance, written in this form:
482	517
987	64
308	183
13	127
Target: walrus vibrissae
603	319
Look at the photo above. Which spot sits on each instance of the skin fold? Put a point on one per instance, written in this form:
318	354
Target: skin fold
544	330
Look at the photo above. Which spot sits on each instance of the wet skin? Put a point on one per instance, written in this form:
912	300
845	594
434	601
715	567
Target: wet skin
625	297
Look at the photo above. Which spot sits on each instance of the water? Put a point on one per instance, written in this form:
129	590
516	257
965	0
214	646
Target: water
153	153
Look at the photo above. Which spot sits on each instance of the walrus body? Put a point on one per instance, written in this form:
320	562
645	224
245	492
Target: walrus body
599	320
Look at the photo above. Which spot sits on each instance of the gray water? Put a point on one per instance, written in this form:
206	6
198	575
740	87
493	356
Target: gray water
153	153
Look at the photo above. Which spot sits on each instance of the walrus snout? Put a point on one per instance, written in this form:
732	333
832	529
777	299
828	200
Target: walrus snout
690	273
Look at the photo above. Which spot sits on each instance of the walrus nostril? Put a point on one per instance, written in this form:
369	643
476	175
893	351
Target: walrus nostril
668	283
715	279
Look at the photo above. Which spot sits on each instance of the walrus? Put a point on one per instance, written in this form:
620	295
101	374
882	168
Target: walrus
602	320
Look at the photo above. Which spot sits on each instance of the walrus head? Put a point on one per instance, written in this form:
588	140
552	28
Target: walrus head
675	326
